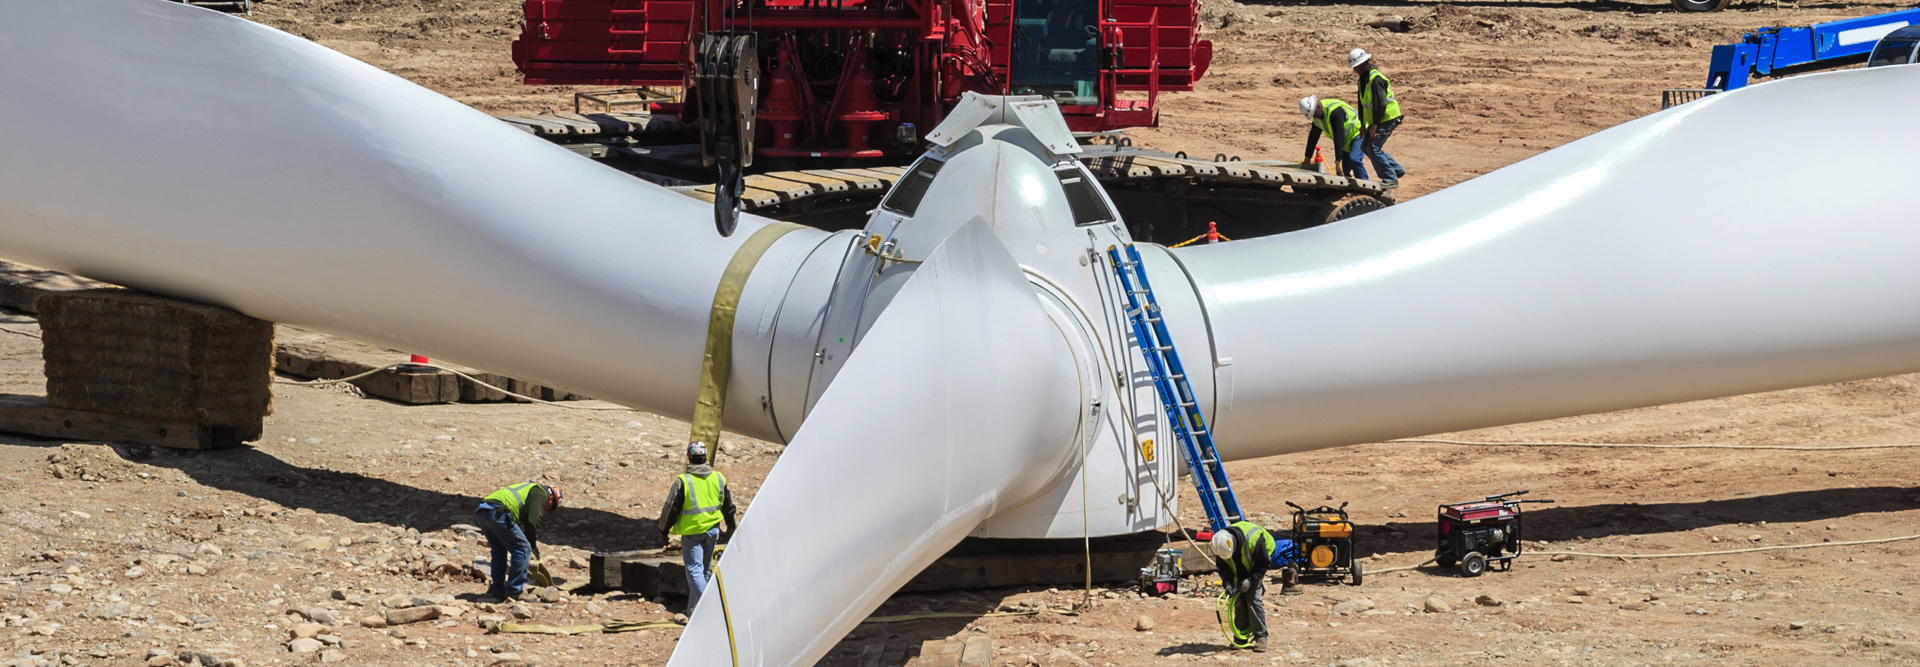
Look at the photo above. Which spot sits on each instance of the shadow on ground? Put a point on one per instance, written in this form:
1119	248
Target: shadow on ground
1559	523
366	499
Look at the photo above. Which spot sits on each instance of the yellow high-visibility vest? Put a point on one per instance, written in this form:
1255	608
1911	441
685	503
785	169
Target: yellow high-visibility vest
700	506
513	498
1366	100
1352	126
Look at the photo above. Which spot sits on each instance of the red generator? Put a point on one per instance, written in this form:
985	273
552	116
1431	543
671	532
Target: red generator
864	80
1476	534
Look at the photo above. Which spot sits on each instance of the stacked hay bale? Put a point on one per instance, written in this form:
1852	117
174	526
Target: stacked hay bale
122	352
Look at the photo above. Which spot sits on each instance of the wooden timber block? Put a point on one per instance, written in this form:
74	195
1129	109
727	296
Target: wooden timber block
988	563
30	415
603	567
118	351
654	576
940	653
977	651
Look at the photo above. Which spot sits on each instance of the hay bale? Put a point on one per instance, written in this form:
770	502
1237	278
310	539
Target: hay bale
125	352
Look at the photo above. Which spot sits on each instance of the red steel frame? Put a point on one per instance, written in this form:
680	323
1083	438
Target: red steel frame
955	46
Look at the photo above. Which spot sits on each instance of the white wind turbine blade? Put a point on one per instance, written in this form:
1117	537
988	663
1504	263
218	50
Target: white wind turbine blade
960	401
202	156
1730	245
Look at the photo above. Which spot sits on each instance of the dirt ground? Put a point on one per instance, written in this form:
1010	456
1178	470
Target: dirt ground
350	506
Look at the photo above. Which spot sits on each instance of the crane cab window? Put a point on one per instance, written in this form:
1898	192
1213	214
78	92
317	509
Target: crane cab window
1056	47
906	195
1083	196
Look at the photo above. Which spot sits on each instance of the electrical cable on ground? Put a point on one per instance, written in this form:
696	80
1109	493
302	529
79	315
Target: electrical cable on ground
17	332
1643	445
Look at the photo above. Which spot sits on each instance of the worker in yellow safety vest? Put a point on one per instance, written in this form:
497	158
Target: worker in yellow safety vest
696	506
1244	552
511	519
1379	115
1341	123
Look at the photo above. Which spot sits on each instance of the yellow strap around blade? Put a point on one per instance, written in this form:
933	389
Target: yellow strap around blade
719	355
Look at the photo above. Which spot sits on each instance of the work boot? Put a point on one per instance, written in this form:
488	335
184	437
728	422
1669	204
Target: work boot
1260	645
1390	183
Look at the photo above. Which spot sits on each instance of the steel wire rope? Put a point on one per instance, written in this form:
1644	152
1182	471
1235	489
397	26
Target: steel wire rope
475	380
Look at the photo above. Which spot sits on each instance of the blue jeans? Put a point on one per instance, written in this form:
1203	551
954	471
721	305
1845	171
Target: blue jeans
510	550
1352	163
696	552
1382	162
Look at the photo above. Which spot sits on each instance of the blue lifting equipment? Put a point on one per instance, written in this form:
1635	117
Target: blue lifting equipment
1170	381
1783	51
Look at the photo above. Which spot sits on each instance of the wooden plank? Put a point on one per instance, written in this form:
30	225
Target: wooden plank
821	183
30	415
604	567
788	190
896	171
857	181
977	651
940	653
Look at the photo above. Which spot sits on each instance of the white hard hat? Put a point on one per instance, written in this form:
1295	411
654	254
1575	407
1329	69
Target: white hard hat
1357	56
697	449
1222	544
1308	104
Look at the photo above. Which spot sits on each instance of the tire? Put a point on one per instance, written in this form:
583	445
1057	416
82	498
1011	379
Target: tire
1355	579
1352	206
1444	560
1700	5
1473	564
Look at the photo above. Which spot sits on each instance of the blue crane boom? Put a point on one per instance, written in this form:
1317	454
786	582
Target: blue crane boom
1782	51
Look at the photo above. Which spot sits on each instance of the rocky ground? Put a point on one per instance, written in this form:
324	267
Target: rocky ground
350	518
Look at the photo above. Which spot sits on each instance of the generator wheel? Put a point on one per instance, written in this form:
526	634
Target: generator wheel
1355	580
1352	206
1473	564
1444	561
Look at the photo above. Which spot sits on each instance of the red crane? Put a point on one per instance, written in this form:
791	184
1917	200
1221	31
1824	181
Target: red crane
866	79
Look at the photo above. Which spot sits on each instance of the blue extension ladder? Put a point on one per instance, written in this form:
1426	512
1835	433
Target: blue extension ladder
1170	379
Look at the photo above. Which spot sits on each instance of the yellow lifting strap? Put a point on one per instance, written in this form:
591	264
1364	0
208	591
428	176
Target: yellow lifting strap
719	356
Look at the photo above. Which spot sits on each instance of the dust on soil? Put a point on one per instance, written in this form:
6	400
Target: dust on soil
118	552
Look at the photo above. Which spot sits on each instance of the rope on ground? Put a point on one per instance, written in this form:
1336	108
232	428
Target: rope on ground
475	380
1644	445
17	332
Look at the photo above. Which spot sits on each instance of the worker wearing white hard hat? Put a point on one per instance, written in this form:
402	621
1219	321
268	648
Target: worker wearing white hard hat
1244	552
1380	115
1341	123
697	504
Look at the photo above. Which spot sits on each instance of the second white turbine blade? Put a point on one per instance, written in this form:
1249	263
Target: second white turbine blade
961	401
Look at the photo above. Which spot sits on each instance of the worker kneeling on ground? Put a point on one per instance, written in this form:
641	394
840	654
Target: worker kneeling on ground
696	505
1341	123
1379	116
511	519
1245	552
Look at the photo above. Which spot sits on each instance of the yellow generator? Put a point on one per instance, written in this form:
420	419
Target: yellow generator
1323	543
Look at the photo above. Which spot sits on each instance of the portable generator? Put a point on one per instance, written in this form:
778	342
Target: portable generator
1162	576
1323	540
1476	534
